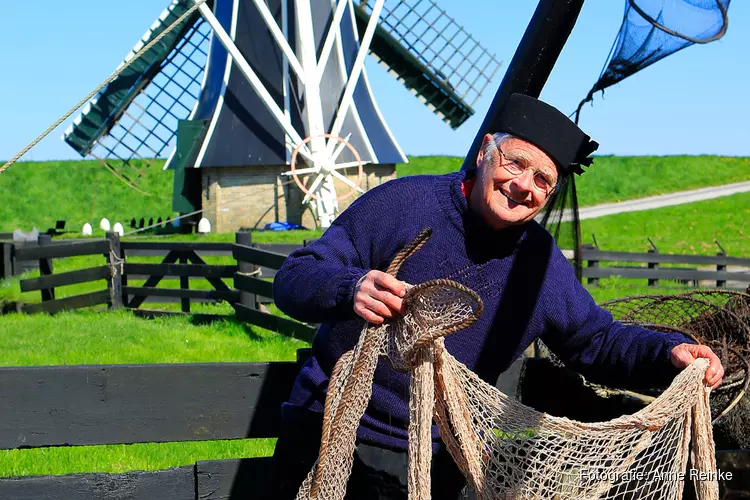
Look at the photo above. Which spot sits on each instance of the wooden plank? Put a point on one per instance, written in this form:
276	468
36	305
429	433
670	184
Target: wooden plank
46	268
228	295
60	250
116	262
245	238
136	302
260	257
111	404
68	303
663	273
275	323
163	253
215	282
170	484
233	479
251	284
169	300
182	270
184	285
664	258
6	260
64	279
173	246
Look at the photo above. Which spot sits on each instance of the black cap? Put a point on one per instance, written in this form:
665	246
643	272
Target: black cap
548	129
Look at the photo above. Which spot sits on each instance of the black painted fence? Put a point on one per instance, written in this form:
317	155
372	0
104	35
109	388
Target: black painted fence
653	267
250	273
123	404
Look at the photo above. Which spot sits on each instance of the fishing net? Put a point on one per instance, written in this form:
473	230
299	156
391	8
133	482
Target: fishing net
507	450
719	319
653	29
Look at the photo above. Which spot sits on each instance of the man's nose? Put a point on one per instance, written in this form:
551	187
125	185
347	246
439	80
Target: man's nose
524	180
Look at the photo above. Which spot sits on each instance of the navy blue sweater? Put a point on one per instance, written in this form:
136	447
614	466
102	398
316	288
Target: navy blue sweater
528	288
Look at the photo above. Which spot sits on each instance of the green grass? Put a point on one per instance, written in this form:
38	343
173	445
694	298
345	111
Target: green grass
81	191
74	338
125	458
683	229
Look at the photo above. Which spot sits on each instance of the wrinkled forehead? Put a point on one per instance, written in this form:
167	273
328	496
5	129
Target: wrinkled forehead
515	148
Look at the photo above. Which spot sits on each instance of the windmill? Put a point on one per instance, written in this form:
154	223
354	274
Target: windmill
263	108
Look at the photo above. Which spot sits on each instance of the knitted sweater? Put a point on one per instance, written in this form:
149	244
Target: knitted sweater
528	287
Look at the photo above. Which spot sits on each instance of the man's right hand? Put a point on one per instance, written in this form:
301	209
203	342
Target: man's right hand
378	296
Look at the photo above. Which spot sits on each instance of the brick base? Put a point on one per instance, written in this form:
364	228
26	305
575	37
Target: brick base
236	197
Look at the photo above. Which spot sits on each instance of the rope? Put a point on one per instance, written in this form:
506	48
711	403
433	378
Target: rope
115	262
106	82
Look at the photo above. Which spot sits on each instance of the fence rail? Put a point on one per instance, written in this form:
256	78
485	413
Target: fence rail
239	284
629	265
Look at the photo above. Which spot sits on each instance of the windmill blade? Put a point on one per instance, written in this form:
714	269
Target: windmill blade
430	54
133	120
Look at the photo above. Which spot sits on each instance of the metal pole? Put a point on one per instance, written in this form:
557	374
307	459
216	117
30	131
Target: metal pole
533	61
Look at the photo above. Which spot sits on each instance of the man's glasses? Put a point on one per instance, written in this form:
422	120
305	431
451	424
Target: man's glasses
542	182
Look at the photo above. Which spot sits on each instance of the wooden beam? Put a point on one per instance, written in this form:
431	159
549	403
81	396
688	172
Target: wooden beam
68	303
64	279
228	295
664	258
663	273
275	323
260	257
195	246
182	270
233	479
60	250
170	484
251	284
111	404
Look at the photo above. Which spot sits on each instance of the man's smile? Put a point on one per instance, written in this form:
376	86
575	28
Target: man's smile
502	191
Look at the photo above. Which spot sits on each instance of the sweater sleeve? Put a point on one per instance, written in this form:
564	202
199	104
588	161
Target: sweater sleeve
316	283
588	339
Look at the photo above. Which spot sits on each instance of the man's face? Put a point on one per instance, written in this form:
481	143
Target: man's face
504	198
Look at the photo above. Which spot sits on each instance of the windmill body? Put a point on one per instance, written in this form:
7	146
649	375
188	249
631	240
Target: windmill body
278	122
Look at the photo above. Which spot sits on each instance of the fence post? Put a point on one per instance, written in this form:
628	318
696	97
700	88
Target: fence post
45	267
591	263
6	260
721	266
653	265
245	238
184	284
116	264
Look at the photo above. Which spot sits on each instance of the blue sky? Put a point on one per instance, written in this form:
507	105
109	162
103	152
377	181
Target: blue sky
693	102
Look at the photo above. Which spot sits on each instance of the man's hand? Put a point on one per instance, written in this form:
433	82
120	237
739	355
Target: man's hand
684	354
378	296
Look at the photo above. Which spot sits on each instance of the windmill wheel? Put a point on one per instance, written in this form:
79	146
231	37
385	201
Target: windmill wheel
325	167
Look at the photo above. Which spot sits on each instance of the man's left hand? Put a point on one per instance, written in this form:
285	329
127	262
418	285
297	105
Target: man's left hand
684	354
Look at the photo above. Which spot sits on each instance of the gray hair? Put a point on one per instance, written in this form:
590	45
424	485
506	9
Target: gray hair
500	137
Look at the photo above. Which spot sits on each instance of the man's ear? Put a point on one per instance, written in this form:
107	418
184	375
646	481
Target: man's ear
480	155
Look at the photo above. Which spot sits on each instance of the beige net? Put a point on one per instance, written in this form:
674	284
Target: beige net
507	450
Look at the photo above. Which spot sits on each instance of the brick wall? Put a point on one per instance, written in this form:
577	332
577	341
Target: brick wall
235	197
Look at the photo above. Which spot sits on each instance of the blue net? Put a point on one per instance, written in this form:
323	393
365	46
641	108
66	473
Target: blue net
653	29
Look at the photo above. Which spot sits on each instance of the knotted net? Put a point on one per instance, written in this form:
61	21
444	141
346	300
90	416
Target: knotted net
507	450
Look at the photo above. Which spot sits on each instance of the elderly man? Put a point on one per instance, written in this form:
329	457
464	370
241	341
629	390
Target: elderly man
485	237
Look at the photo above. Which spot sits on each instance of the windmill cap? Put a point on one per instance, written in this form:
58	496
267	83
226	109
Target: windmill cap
547	128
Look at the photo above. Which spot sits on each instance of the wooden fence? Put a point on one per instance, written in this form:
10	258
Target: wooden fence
650	268
250	273
124	404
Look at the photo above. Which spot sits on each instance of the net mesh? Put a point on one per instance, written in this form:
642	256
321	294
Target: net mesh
654	29
719	319
505	449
